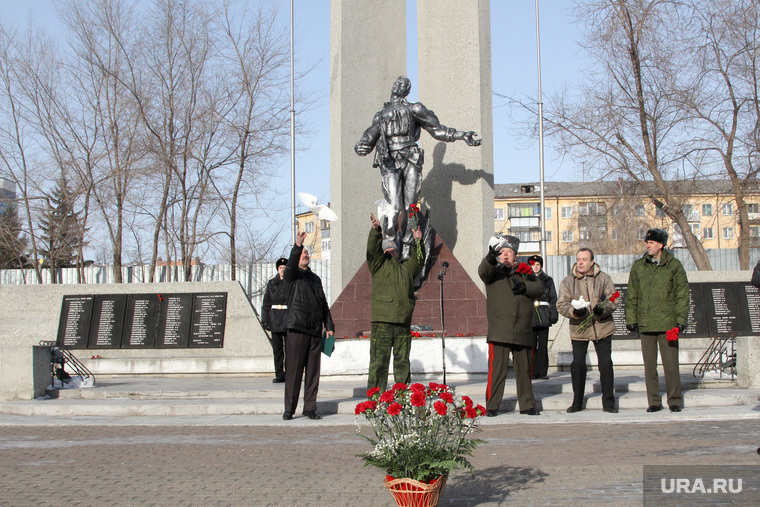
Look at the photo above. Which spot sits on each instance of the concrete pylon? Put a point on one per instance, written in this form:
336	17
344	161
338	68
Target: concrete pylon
454	40
367	54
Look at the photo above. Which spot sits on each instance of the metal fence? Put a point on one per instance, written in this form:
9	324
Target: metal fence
252	277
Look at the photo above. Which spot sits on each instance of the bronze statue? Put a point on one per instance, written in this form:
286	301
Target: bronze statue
393	135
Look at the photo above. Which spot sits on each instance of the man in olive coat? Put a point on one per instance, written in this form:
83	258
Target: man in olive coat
392	307
509	307
657	301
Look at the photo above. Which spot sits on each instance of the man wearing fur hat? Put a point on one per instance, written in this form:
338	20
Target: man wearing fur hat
544	316
657	305
392	307
586	298
274	318
511	288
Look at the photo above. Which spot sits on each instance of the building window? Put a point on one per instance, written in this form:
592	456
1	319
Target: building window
728	233
324	224
639	211
309	226
659	210
643	232
613	235
583	234
707	210
591	208
754	232
325	245
567	236
567	212
549	235
525	210
498	213
310	249
728	209
695	228
615	211
548	214
753	208
707	233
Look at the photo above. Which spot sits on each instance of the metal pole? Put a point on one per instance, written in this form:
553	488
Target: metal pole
542	243
294	226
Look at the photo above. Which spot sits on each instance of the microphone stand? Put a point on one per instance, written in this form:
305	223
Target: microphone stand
443	325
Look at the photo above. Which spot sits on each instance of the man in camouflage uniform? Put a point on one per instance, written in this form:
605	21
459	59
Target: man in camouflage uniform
392	307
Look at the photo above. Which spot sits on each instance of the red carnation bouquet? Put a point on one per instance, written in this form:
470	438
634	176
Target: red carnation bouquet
524	269
672	335
420	432
413	210
585	323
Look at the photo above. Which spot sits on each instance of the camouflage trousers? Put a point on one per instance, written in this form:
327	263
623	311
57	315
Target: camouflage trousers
384	339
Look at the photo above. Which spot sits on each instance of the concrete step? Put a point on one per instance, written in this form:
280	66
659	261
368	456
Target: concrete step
223	396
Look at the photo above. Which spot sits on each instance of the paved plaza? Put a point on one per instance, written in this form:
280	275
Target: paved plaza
524	462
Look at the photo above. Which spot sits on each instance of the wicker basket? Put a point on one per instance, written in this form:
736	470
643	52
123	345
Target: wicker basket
411	493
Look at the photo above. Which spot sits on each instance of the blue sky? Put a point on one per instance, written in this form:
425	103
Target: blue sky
513	48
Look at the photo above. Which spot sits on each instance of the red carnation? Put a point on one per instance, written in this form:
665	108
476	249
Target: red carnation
387	397
394	409
417	387
447	397
614	296
471	413
467	401
672	335
524	268
372	392
481	410
440	407
418	398
399	386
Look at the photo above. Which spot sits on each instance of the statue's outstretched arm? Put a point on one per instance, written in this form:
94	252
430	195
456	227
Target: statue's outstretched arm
429	121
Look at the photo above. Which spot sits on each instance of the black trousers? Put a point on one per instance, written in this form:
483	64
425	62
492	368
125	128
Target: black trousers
302	355
539	365
278	347
578	371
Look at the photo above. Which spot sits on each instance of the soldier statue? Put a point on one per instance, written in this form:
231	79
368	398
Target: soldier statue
393	135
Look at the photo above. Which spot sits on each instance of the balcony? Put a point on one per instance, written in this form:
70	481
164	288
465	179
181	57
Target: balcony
524	222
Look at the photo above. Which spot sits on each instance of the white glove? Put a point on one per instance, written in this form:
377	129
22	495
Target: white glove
580	303
497	243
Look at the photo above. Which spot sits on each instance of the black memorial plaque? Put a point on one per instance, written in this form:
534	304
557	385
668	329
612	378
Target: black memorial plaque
107	321
751	296
141	322
209	312
74	323
618	316
174	321
722	309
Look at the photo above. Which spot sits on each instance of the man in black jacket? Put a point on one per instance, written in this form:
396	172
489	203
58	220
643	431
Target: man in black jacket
274	318
307	314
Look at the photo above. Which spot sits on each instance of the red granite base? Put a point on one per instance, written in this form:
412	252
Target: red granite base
464	304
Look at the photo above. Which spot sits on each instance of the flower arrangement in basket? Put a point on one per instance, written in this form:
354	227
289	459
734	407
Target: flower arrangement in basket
420	432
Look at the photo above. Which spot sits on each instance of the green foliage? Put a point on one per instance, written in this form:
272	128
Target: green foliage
61	230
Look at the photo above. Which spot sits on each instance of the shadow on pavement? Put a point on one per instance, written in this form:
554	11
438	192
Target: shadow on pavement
494	484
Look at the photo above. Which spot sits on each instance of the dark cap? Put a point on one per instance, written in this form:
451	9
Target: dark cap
281	262
536	258
658	235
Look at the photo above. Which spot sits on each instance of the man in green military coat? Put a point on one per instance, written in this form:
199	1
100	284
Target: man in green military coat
509	306
392	306
657	302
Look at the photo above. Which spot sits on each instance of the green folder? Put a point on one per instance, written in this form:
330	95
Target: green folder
328	344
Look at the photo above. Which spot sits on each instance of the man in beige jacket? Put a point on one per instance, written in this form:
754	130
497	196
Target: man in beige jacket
585	299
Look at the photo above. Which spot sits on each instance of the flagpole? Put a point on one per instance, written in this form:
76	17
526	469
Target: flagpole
542	242
294	222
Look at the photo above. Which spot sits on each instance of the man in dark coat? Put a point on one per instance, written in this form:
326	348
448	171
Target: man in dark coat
509	307
392	307
544	316
308	314
274	316
657	302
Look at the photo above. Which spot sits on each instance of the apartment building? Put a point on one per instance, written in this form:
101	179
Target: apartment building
612	217
317	240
